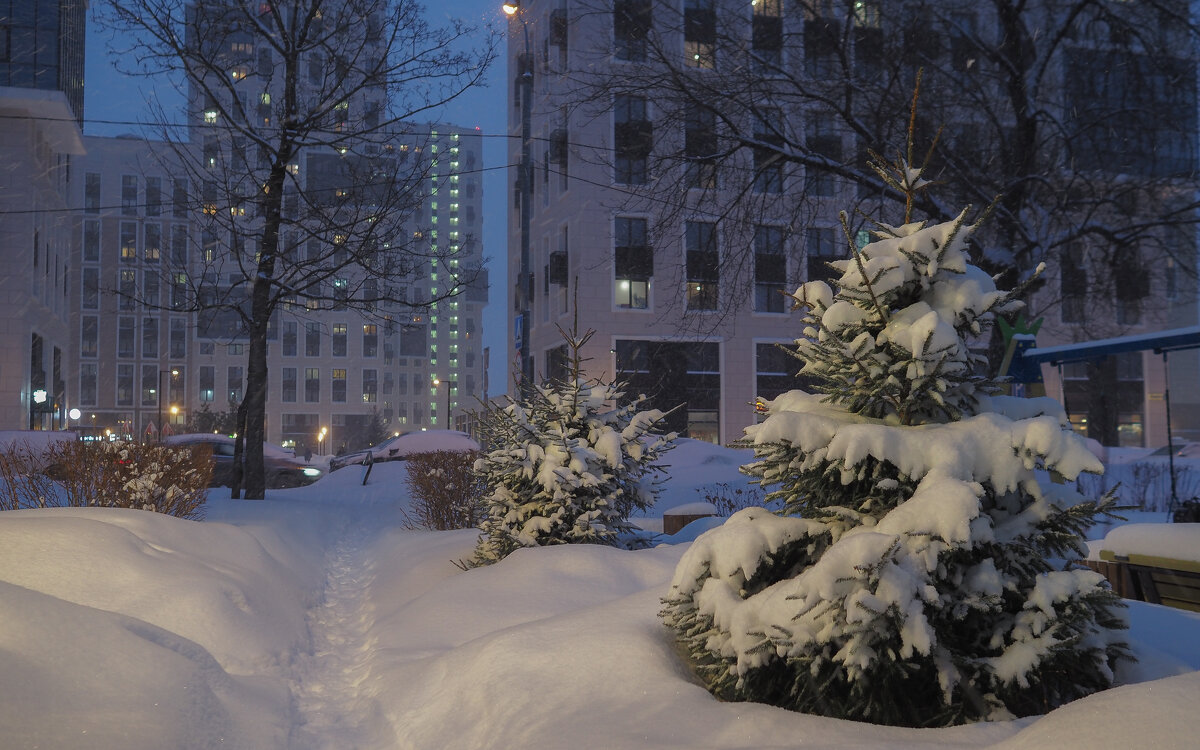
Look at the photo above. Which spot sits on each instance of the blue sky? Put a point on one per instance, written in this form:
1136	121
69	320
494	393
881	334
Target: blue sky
112	100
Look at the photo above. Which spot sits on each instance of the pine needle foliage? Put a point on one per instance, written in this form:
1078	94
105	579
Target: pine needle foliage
566	462
914	576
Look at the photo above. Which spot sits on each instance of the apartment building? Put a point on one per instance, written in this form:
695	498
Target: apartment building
132	327
41	106
379	243
635	126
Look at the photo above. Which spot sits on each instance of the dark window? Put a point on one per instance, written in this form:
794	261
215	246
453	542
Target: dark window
312	339
126	333
129	195
124	385
775	371
153	196
179	198
91	193
683	377
288	340
821	247
821	38
89	335
88	377
770	269
288	394
702	265
824	143
91	240
631	25
179	245
91	289
700	148
178	342
633	136
1073	284
767	35
150	338
768	162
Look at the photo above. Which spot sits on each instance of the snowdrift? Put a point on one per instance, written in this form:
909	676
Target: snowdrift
314	619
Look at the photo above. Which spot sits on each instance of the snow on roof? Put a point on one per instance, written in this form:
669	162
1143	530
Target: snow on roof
1176	338
1177	541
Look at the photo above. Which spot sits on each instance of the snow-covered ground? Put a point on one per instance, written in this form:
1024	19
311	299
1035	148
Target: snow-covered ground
314	620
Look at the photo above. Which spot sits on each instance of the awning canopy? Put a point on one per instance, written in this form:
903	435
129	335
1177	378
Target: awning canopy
1163	341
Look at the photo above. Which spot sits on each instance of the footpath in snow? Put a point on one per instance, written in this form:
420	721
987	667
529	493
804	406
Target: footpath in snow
334	706
315	620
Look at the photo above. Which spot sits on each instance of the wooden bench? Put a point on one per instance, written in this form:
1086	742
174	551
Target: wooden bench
1147	578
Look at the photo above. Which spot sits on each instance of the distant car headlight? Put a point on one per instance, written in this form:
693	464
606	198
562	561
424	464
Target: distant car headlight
311	472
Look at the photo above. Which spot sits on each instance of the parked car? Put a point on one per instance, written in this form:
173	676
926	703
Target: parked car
283	469
1183	449
399	447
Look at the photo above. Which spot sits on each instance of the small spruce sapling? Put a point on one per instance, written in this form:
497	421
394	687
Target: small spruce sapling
566	462
910	578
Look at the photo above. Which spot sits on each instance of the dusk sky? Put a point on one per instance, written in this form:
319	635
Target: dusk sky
114	103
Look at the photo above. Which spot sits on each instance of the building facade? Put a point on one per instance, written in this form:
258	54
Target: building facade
41	106
41	47
685	296
147	361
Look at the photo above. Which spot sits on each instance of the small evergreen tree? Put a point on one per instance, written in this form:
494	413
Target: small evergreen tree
909	579
567	462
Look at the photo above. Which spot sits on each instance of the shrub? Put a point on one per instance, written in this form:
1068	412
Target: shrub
22	481
446	492
729	499
156	477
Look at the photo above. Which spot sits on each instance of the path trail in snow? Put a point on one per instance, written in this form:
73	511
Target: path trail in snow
334	706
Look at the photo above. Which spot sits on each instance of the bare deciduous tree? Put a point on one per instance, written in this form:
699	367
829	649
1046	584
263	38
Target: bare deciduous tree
306	167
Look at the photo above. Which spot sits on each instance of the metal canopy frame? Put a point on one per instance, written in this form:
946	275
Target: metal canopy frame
1163	342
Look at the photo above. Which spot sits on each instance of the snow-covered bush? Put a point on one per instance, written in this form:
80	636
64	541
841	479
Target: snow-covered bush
161	478
566	462
909	579
446	491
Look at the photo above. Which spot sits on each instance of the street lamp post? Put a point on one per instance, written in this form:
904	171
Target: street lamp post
525	279
173	373
321	442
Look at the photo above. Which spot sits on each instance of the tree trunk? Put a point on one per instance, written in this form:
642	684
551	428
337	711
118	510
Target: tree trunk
256	395
261	308
238	472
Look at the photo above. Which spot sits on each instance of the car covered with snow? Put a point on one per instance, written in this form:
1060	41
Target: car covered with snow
283	469
400	447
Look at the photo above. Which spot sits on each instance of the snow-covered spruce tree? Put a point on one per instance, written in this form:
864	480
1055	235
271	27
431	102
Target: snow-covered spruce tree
567	462
909	579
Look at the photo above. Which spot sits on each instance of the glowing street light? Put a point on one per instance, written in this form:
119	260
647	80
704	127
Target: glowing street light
174	372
